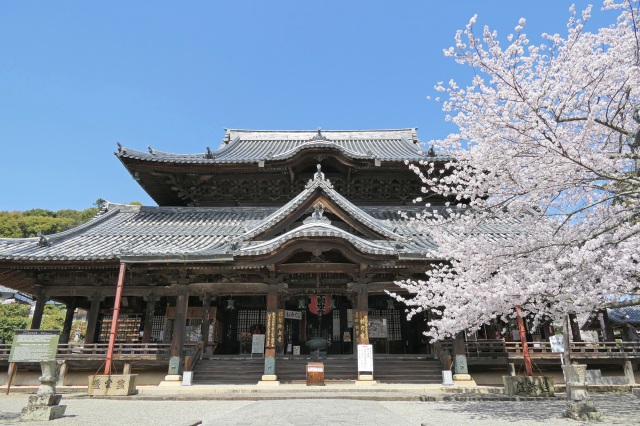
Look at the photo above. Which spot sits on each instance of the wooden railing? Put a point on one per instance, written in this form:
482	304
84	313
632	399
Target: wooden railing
98	351
498	348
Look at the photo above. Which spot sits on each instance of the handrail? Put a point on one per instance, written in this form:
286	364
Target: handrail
98	350
196	355
501	348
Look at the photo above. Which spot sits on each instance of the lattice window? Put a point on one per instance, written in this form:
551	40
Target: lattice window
157	328
247	318
335	334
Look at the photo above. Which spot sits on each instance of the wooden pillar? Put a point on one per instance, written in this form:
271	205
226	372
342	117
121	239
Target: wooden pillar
92	319
41	299
204	328
605	324
68	321
628	372
148	317
575	328
270	335
528	367
363	315
179	324
62	373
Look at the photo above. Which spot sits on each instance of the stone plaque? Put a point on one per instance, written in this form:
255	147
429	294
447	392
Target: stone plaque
34	346
257	344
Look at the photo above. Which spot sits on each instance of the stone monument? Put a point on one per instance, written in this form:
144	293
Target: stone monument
44	405
579	406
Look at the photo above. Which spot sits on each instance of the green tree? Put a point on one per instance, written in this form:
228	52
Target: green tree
13	316
31	222
53	317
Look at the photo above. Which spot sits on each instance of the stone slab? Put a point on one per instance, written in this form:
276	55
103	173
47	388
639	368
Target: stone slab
365	377
42	412
45	400
112	385
268	383
528	386
462	377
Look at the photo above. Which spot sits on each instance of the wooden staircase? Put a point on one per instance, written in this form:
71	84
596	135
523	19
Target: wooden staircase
243	370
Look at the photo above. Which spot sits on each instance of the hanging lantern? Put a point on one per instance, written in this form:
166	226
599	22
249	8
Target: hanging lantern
332	304
230	305
320	305
390	305
302	304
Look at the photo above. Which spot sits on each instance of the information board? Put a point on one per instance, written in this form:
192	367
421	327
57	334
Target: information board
257	344
378	328
34	345
365	359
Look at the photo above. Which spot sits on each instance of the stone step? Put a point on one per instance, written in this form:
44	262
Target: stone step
387	369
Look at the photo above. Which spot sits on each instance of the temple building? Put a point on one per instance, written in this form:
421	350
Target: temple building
289	238
292	234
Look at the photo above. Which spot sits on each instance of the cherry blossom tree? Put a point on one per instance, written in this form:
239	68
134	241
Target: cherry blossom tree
544	171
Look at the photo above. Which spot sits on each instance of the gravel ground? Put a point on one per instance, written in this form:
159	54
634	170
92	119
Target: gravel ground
619	409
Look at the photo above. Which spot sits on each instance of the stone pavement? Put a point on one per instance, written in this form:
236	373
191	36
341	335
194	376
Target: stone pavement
622	409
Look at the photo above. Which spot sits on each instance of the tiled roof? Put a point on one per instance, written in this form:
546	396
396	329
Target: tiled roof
124	231
250	146
134	230
626	314
316	229
319	182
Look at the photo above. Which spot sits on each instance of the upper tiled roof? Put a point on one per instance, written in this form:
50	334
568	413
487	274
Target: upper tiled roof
250	146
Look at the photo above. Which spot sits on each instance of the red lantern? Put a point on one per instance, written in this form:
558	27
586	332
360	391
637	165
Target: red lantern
320	305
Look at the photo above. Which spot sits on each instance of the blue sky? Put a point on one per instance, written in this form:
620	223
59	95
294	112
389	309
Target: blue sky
75	77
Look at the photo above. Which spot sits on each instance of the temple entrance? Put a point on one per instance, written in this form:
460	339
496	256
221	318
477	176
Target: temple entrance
326	316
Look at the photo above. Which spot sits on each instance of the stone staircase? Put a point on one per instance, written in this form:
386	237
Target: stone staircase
243	370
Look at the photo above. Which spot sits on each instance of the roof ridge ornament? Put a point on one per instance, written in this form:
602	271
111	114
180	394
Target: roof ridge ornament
151	150
43	241
209	154
319	136
431	152
121	149
317	215
318	177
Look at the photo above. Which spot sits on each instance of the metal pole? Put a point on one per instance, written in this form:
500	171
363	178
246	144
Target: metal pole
114	320
528	368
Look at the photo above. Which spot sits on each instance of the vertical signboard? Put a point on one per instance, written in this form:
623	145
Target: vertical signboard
365	359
